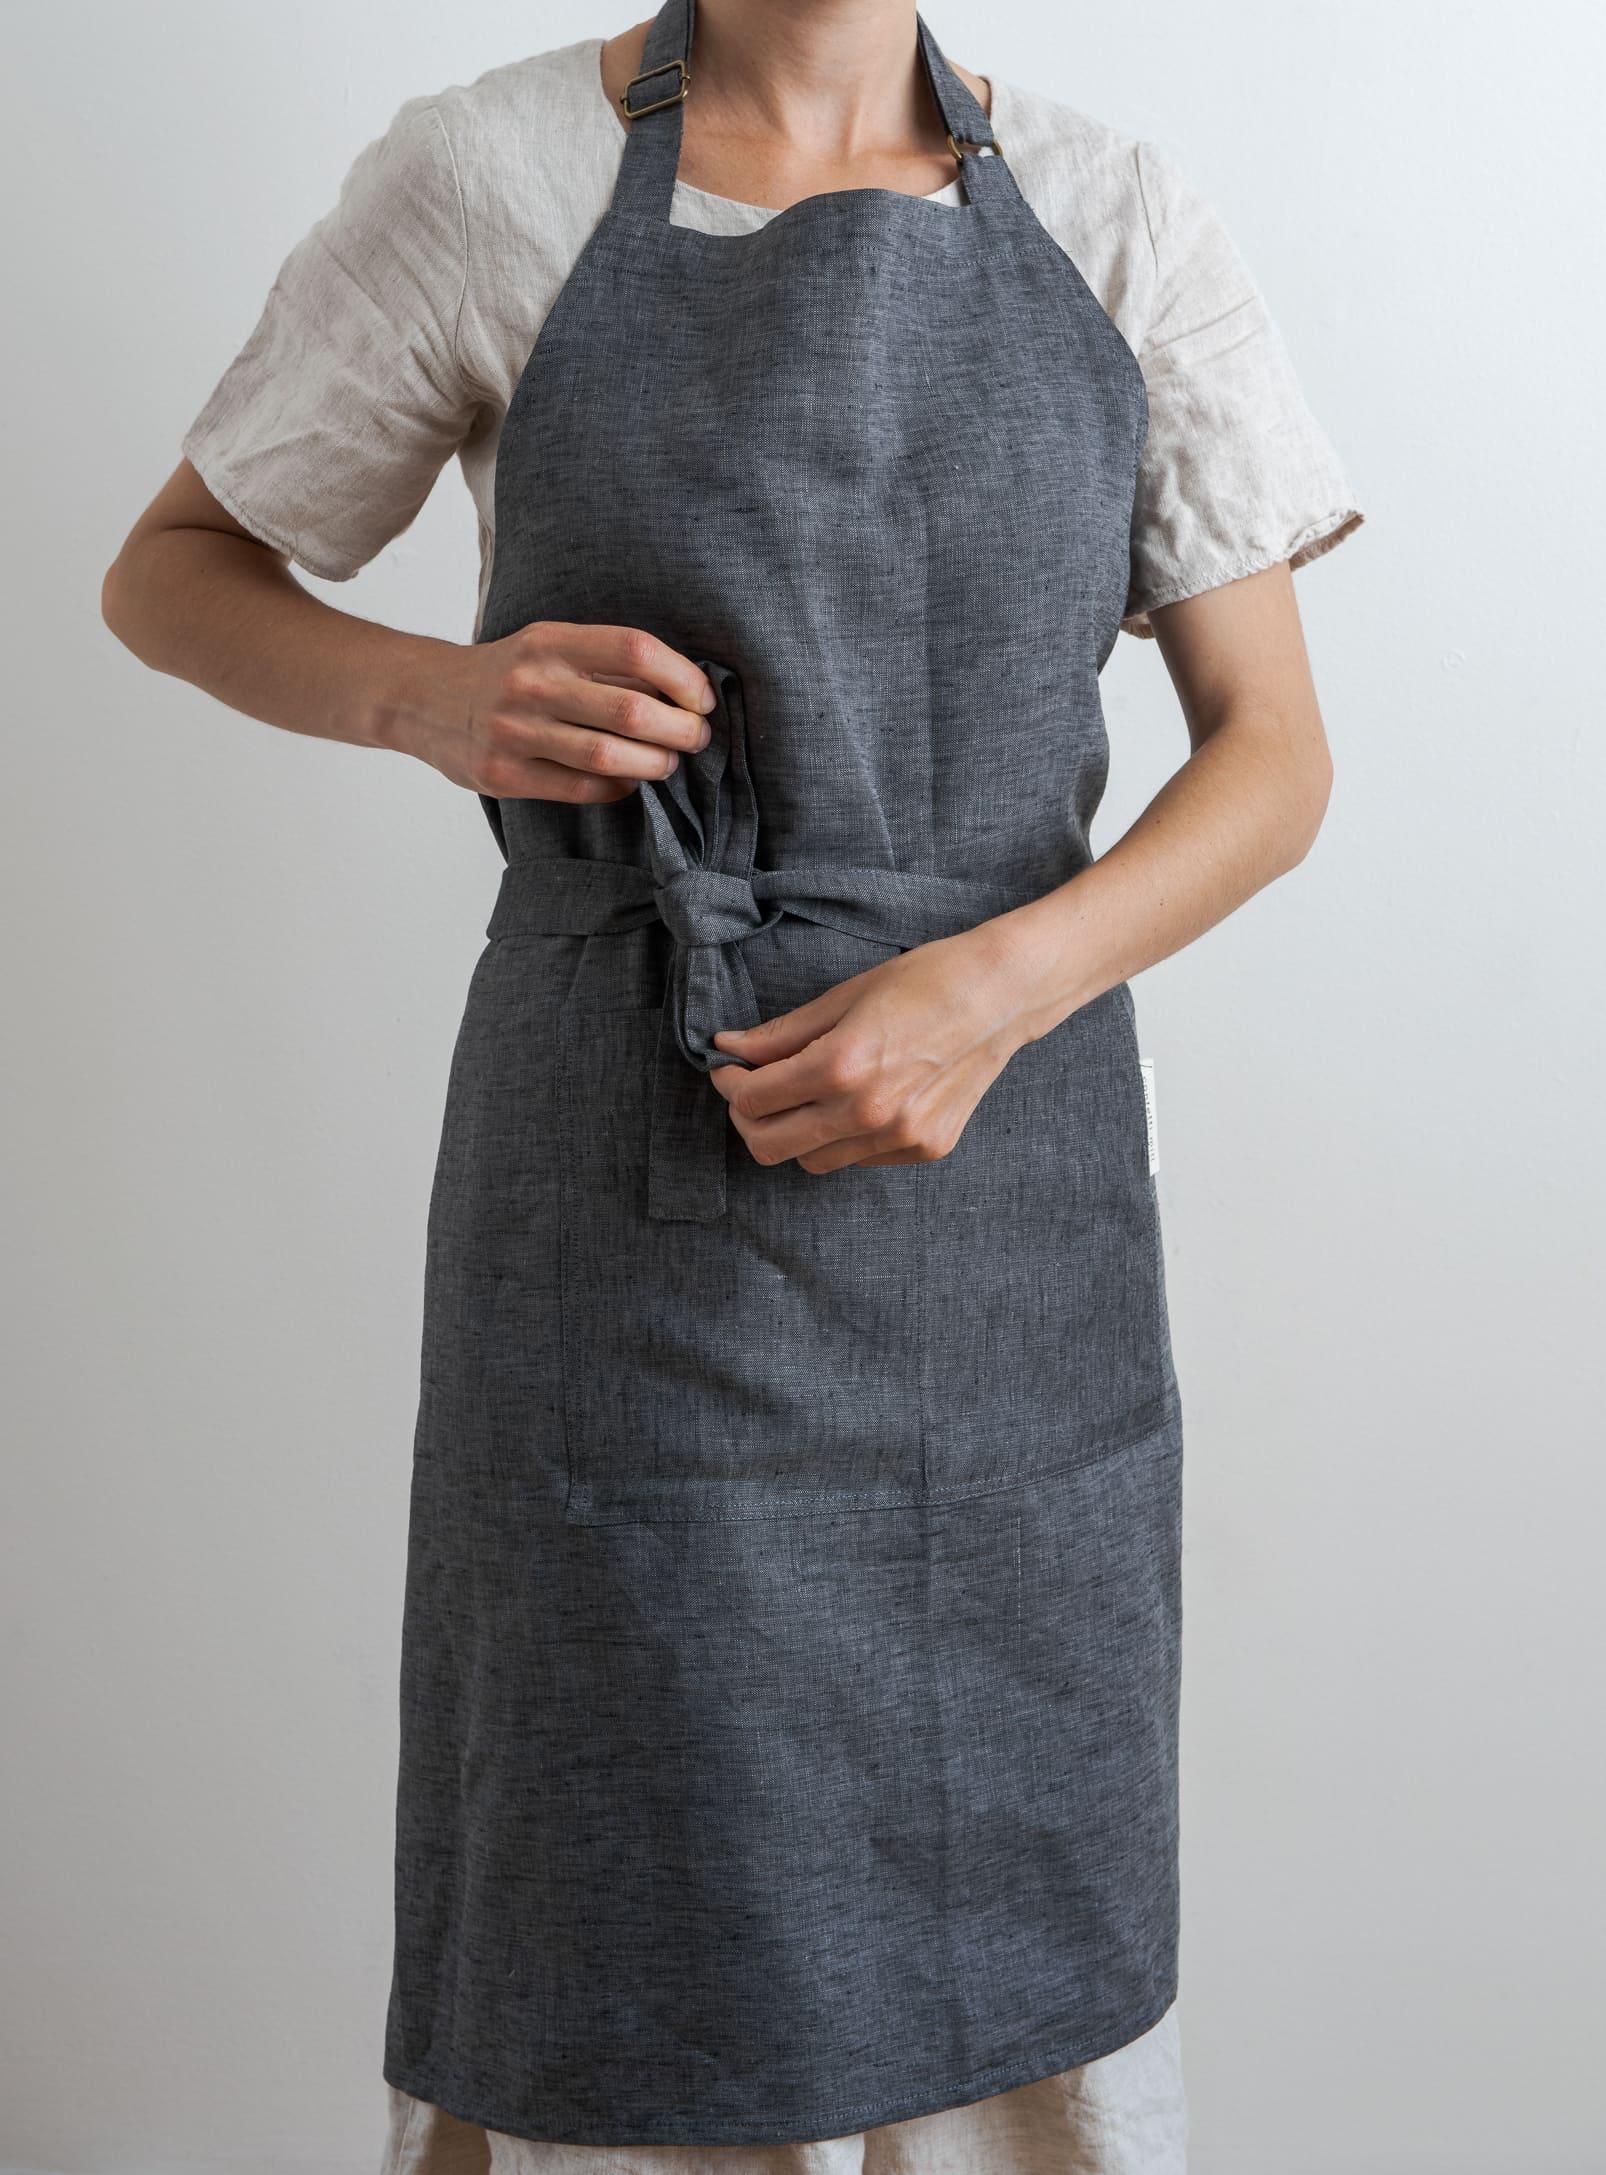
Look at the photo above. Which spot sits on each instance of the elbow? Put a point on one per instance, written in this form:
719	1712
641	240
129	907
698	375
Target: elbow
1311	792
111	591
116	598
131	602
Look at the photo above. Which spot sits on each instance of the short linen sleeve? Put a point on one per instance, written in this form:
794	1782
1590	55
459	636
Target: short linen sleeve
325	434
1237	474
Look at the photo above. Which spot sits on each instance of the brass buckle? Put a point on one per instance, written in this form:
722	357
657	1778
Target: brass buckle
675	98
959	149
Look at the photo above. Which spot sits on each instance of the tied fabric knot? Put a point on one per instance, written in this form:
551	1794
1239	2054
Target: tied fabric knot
701	906
702	837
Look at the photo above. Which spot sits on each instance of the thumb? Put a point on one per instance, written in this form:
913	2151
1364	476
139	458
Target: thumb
785	1034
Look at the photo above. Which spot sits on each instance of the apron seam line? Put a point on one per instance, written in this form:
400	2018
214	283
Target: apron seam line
846	1502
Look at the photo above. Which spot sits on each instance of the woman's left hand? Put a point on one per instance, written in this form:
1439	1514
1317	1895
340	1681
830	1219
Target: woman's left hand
883	1068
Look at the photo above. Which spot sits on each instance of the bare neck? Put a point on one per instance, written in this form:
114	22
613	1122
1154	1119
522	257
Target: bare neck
791	100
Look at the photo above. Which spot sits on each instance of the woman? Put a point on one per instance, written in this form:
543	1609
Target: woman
790	1647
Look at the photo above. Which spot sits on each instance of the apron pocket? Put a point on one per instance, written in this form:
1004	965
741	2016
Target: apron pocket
765	1364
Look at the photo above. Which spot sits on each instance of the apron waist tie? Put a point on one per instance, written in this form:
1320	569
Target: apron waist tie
710	913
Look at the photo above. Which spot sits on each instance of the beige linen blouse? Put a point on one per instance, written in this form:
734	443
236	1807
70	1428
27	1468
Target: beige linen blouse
393	338
399	326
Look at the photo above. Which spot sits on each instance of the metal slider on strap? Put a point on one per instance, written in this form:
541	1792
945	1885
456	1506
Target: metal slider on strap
657	105
964	144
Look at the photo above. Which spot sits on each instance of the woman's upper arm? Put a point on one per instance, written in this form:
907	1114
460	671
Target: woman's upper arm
1236	476
184	502
325	434
1238	652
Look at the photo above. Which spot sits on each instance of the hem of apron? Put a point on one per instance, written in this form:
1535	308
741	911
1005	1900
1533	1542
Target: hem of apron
819	2128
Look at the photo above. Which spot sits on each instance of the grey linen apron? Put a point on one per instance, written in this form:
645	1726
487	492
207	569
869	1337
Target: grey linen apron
790	1642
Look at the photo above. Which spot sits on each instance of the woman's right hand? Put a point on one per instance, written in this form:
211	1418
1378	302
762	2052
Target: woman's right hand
557	712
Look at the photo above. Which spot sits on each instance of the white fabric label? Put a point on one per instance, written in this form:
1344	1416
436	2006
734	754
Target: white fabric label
1146	1067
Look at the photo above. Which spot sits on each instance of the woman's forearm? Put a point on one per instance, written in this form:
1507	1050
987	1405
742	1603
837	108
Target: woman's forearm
226	614
550	712
1240	812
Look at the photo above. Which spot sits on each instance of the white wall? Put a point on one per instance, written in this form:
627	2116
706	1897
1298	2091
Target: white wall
236	964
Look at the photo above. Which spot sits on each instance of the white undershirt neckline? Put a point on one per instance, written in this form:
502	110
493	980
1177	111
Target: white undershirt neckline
949	193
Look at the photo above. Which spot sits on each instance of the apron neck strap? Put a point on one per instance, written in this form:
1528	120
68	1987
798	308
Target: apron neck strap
961	114
654	100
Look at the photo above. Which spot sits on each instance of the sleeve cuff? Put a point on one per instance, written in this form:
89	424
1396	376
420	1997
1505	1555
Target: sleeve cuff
208	463
1308	543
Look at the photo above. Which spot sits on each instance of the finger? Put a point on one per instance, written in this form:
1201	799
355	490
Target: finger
513	778
788	1033
578	747
625	712
765	1091
622	679
635	654
812	1128
859	1151
973	1087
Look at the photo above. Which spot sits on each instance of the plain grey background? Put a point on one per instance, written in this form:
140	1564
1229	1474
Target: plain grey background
236	959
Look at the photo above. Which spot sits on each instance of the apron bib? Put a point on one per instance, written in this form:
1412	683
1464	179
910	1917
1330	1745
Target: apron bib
790	1648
